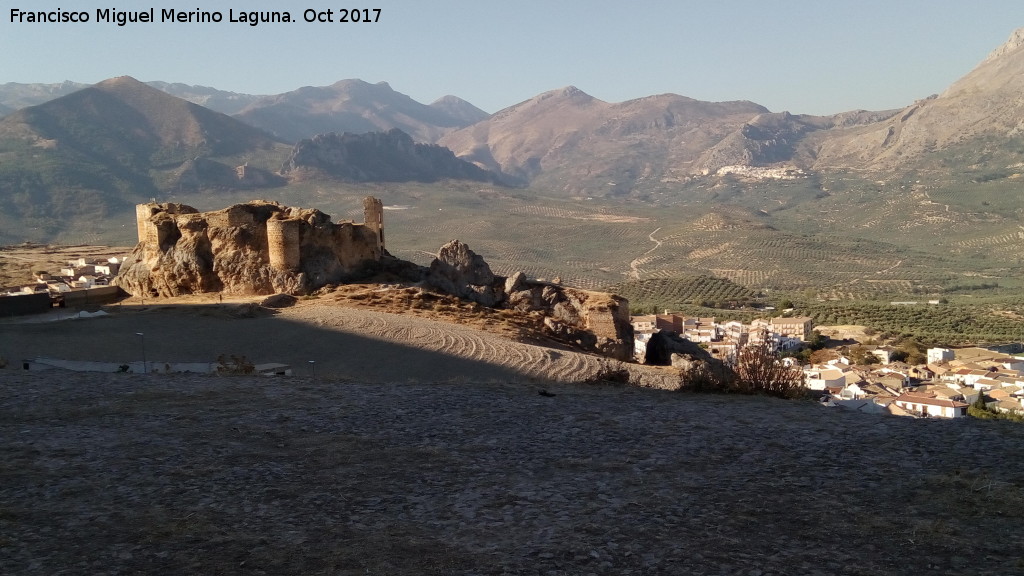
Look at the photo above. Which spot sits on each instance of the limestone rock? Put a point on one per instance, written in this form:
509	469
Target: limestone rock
668	348
515	283
459	271
683	362
594	321
456	260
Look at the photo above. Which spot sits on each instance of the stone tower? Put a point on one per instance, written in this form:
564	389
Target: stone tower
155	231
373	217
147	231
283	236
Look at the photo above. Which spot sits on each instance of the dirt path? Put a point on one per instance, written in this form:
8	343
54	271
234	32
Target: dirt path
890	268
634	266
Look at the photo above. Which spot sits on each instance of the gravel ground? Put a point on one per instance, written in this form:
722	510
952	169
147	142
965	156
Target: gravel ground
132	474
344	342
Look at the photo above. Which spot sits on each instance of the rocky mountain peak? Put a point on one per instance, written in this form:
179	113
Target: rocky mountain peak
574	94
118	82
460	109
567	94
1015	42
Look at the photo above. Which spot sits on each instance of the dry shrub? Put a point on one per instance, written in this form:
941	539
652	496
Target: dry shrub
713	377
234	365
759	370
756	370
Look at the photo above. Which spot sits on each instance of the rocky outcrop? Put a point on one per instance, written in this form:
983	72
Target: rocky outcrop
253	248
390	156
279	301
594	321
461	272
669	348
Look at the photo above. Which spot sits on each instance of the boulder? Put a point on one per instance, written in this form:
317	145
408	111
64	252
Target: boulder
669	348
461	272
279	301
515	283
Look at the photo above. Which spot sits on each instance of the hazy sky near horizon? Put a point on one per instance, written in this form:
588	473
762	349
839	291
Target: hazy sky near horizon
801	56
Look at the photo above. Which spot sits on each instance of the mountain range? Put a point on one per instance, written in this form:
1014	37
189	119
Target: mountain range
567	139
74	151
345	106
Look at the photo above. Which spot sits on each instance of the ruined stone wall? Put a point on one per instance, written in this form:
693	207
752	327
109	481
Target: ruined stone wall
607	319
258	247
358	243
233	216
283	238
143	212
373	218
154	222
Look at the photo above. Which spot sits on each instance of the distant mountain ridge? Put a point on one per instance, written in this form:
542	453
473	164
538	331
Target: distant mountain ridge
358	107
99	148
976	121
15	96
571	141
585	142
103	148
229	103
390	156
345	106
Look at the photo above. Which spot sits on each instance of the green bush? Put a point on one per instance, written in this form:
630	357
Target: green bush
978	409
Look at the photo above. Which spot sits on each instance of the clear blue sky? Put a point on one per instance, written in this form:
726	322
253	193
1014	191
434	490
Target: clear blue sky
803	56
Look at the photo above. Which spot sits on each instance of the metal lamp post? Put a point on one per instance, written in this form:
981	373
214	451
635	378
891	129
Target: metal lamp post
312	365
142	337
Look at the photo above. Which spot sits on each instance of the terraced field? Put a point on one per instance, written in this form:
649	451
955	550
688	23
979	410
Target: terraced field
681	293
844	237
1000	320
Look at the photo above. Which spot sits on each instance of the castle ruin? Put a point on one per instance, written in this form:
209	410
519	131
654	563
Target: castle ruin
259	247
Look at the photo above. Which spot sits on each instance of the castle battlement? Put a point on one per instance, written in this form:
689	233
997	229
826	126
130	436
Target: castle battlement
256	247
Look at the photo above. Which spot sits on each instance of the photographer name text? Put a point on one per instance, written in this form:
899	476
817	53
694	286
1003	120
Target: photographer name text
170	15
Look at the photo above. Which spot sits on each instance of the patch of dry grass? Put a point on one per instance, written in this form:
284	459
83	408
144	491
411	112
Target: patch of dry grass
442	307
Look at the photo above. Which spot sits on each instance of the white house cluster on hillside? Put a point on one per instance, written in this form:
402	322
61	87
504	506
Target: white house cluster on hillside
723	340
76	274
944	387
